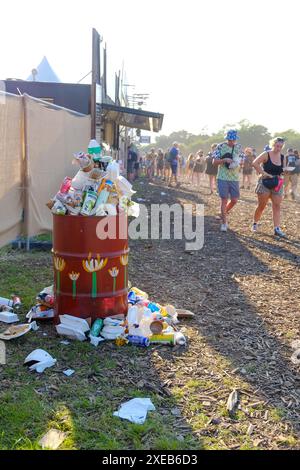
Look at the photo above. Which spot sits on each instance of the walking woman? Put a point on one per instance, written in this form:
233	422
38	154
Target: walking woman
199	167
160	164
189	167
211	170
247	167
270	184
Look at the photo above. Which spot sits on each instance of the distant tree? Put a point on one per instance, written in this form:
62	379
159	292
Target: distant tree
253	135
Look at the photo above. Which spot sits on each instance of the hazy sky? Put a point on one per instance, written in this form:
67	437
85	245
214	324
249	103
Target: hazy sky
205	63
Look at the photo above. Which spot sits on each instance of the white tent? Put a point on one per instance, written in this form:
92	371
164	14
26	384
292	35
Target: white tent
45	73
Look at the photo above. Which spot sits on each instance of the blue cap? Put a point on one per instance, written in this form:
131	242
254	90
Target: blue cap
232	134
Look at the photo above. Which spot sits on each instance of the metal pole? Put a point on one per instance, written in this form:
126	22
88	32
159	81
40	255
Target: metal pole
25	174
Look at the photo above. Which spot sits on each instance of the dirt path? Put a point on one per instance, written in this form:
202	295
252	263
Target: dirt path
244	289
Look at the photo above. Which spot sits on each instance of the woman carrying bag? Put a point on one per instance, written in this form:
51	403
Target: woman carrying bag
270	165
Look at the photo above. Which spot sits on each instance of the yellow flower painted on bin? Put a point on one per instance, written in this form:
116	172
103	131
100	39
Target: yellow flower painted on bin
92	265
59	263
114	272
74	276
124	261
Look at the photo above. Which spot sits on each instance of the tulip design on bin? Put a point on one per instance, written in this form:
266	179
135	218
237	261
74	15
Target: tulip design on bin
92	265
74	278
60	265
124	262
114	272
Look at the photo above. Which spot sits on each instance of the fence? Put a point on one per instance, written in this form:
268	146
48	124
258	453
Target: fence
37	141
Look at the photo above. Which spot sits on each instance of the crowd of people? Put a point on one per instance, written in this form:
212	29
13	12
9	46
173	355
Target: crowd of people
227	167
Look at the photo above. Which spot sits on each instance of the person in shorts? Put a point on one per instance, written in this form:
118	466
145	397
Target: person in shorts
131	161
211	170
199	167
247	167
227	157
174	160
160	163
189	167
270	166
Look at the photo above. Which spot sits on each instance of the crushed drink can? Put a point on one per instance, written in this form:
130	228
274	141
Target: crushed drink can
139	341
16	301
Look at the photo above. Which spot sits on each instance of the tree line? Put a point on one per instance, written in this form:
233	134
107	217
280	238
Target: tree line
253	135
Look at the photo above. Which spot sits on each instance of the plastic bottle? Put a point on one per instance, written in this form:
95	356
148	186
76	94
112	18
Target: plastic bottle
66	185
139	341
104	194
94	149
97	327
132	318
113	171
89	202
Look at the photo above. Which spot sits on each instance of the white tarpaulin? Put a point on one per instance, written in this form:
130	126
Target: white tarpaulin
11	206
53	135
35	155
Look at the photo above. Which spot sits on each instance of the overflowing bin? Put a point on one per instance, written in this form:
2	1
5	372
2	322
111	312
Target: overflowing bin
90	272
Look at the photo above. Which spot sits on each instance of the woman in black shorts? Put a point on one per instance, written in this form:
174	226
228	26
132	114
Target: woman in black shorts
269	165
211	170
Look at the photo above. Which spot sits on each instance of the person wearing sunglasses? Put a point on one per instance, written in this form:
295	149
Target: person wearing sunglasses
270	166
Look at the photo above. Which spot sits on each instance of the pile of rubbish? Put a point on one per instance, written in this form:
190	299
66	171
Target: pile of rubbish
44	309
7	307
97	189
146	323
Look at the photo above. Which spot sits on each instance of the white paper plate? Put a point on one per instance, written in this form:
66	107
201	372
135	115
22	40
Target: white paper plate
23	330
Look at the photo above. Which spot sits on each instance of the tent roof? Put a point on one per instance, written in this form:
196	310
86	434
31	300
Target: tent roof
45	73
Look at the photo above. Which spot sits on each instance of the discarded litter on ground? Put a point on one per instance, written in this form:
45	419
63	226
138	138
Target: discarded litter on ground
13	302
69	372
2	353
8	317
135	410
39	360
73	327
15	331
52	439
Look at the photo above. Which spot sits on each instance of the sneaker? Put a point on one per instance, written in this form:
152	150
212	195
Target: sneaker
279	232
254	227
224	228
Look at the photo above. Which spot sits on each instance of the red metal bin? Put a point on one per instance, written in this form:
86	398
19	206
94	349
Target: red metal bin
90	274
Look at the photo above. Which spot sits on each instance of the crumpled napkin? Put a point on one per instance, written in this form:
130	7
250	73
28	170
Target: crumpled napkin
135	410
